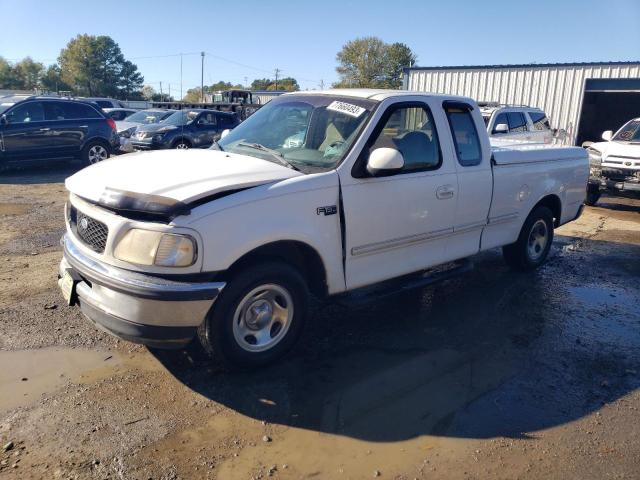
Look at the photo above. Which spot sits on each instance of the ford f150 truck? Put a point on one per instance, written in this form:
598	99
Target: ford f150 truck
318	193
615	163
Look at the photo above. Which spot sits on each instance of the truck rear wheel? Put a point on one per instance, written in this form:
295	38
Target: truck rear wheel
258	316
534	242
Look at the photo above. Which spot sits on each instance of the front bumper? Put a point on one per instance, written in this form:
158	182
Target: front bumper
134	306
125	145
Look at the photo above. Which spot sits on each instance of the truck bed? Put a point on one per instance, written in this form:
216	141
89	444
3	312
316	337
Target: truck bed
537	152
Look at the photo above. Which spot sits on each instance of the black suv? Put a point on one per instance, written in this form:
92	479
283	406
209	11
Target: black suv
195	128
36	128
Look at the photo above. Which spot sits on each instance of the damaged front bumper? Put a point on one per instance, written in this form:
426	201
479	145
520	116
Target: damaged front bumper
141	308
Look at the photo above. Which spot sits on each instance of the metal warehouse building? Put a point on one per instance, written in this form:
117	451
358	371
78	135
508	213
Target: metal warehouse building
582	98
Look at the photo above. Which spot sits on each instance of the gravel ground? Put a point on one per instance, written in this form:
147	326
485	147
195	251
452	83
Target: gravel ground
493	374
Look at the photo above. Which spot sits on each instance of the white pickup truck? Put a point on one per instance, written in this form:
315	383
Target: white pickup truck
318	192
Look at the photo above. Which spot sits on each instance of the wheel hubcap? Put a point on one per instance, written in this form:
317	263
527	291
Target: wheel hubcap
538	239
263	318
182	146
97	153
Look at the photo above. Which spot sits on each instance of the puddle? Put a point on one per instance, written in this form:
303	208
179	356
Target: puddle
604	296
14	208
27	374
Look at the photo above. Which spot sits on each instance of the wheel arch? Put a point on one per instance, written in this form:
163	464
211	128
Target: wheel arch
181	138
553	203
298	254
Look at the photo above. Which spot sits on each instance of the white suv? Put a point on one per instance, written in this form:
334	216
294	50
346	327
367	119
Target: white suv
516	123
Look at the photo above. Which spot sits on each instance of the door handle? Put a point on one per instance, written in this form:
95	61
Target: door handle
45	129
444	192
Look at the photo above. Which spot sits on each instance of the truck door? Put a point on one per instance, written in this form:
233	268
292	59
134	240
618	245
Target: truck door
475	180
399	224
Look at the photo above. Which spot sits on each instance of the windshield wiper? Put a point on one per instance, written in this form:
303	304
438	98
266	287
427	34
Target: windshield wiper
274	153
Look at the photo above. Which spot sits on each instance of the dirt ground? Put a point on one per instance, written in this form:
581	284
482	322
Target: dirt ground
494	374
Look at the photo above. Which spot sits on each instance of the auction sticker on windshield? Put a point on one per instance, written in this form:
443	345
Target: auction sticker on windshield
346	108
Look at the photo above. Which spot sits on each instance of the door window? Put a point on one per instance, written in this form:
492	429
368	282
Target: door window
517	122
26	113
465	136
208	119
501	118
412	132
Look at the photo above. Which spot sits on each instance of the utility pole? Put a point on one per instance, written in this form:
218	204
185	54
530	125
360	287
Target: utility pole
202	79
181	77
169	99
321	84
161	97
277	72
246	82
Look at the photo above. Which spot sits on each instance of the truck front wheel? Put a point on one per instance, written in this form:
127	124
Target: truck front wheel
258	316
534	242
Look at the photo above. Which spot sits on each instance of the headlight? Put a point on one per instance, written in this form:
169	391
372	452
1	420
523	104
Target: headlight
595	161
144	247
128	133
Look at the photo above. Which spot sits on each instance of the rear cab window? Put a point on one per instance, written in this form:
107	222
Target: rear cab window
464	133
539	120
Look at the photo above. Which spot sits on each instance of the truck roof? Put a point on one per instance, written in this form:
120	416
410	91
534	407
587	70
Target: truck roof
376	93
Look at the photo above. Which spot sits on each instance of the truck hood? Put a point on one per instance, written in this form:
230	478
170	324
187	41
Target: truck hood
162	179
617	149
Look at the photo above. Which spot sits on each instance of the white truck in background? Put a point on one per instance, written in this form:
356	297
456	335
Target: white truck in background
328	193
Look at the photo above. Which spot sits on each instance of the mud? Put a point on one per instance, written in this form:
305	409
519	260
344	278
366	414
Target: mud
493	374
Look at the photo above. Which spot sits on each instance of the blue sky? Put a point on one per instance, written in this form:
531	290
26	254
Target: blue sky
302	38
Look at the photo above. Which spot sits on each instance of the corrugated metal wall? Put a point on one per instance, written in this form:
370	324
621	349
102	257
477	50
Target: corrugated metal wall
557	89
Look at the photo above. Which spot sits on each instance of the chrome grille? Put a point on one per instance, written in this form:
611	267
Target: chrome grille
92	232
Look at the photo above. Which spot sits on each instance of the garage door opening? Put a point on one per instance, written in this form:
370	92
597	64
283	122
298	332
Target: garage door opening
607	105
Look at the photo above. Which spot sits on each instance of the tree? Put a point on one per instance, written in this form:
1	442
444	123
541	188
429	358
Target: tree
399	56
193	95
369	62
52	80
7	75
94	65
28	73
288	84
222	85
149	93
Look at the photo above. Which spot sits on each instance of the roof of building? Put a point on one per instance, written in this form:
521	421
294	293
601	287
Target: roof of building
370	93
522	65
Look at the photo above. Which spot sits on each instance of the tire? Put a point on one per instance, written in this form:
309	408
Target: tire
534	242
182	144
251	295
593	195
95	151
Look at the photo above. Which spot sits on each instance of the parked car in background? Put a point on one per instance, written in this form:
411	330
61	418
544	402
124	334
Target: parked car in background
127	127
615	163
516	123
194	128
119	113
41	128
226	245
104	102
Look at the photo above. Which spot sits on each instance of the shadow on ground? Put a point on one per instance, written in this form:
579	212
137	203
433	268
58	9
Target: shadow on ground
53	172
491	353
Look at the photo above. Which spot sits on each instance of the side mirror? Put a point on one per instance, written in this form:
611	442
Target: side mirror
607	135
384	162
501	128
225	133
3	120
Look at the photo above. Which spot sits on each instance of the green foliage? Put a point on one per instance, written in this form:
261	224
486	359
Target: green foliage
287	83
222	85
52	81
24	75
95	66
369	62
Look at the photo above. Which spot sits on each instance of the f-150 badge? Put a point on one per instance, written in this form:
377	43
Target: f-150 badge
329	210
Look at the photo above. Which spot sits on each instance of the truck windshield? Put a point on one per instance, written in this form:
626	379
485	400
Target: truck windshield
629	133
310	132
